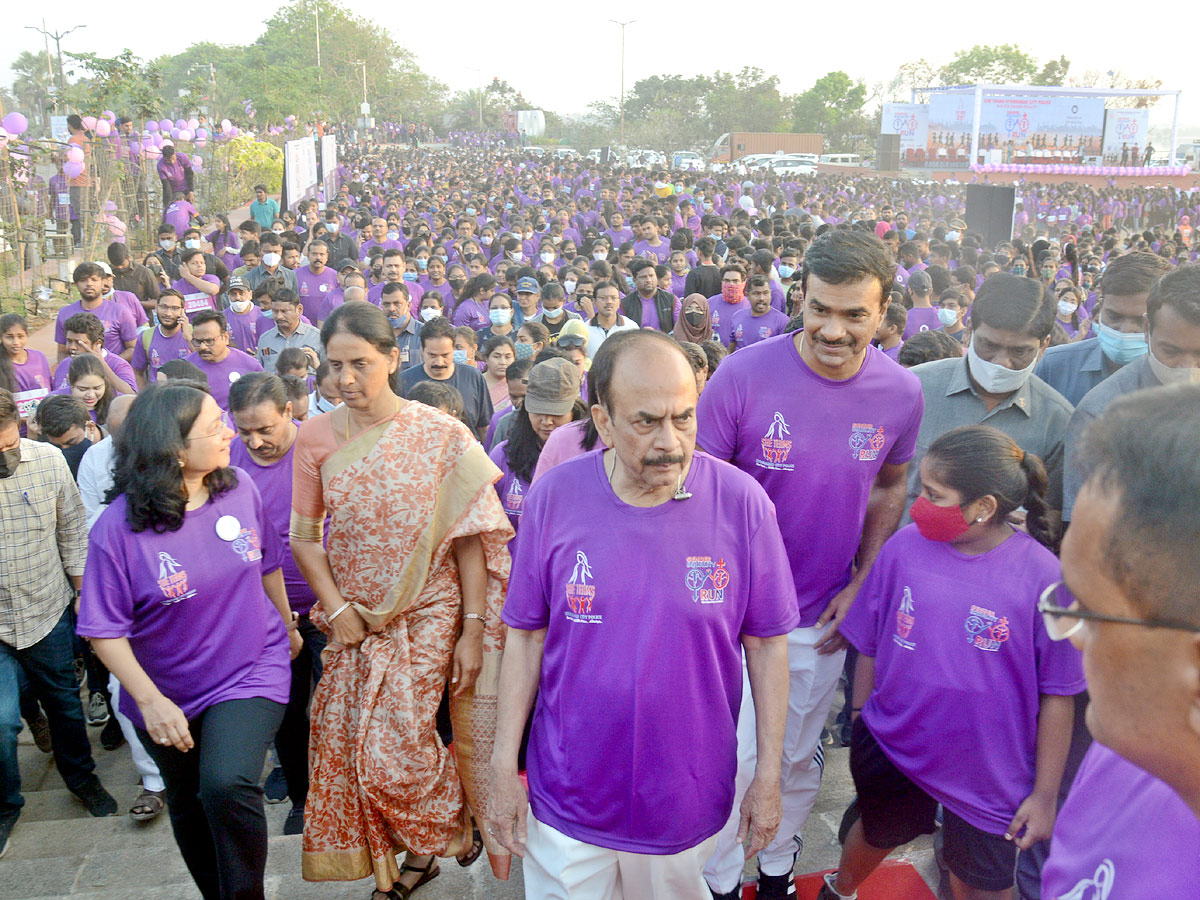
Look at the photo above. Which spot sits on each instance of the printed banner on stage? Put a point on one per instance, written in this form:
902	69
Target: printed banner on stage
1017	126
1125	134
299	171
910	121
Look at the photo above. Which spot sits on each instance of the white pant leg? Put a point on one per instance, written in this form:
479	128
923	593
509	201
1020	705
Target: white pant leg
142	761
723	871
814	679
557	867
675	877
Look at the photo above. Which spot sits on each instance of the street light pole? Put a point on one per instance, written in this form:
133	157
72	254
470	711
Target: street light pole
57	36
479	76
622	24
317	14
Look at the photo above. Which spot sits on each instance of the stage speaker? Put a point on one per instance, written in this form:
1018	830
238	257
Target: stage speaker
887	153
990	212
605	155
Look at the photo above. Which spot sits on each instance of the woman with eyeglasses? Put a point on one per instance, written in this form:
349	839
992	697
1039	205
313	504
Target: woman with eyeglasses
183	600
960	696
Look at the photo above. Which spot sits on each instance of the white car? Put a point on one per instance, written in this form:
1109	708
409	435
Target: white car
753	162
687	160
787	166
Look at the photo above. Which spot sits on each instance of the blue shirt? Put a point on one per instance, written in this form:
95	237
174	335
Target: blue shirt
266	213
1073	369
409	342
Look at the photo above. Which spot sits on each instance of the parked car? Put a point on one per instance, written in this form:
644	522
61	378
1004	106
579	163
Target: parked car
785	166
687	160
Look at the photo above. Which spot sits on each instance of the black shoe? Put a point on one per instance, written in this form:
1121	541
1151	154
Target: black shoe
294	824
776	887
99	802
40	729
276	788
111	736
6	826
735	894
828	893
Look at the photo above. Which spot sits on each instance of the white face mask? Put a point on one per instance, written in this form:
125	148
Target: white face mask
166	245
271	260
569	287
486	240
1066	307
240	306
996	379
1168	376
547	257
332	227
429	313
599	255
192	244
552	314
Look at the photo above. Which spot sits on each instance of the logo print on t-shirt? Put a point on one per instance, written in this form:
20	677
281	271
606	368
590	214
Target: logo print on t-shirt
866	441
580	594
514	499
1098	887
905	620
247	546
985	629
706	579
172	579
776	446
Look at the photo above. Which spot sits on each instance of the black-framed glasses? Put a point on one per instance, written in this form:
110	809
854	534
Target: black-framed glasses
571	340
1057	604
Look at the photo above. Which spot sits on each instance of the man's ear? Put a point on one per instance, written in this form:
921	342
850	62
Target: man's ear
1193	685
604	425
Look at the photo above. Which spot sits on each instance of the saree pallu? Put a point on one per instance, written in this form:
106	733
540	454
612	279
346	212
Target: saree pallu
382	782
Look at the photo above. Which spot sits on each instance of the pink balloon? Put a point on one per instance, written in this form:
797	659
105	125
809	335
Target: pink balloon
197	163
233	131
15	123
226	124
201	142
75	154
110	115
165	125
193	123
72	169
201	134
185	134
153	151
89	122
181	123
104	128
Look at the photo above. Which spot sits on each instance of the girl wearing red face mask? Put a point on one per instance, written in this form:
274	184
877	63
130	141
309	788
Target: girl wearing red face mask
960	697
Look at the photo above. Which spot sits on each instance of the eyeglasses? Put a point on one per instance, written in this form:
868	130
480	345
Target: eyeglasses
571	340
1057	603
205	342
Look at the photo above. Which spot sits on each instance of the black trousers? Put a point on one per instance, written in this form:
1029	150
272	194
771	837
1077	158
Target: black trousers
291	742
214	798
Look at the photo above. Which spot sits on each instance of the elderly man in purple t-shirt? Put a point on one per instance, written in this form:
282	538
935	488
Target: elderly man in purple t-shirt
645	572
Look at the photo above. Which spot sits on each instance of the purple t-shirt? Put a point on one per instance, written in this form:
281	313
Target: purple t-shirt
179	215
129	300
223	374
194	299
749	329
315	288
119	327
191	604
723	315
120	368
246	328
961	657
472	313
892	352
510	489
920	319
274	483
1122	835
643	610
33	382
816	446
162	350
660	254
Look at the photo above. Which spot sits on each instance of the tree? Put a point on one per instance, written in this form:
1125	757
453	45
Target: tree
1054	72
121	82
1002	64
1122	82
833	99
33	84
911	77
747	101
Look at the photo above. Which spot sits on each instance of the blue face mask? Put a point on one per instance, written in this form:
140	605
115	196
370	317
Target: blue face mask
460	357
397	323
787	271
422	263
524	351
1120	347
409	276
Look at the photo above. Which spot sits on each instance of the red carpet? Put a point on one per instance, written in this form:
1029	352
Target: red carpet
896	879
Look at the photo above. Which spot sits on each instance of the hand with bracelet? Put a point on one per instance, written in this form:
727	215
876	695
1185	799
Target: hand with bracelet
468	654
347	625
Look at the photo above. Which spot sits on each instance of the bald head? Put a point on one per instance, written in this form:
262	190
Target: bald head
118	410
354	292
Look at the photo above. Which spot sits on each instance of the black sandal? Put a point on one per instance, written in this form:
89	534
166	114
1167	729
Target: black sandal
473	851
147	806
430	872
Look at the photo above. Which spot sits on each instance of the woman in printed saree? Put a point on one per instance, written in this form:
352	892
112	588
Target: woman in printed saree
410	581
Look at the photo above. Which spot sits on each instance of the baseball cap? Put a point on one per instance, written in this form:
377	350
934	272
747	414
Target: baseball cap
347	263
920	283
104	266
574	334
553	388
237	282
528	285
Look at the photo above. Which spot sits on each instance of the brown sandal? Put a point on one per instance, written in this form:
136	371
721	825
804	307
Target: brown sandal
147	806
473	851
430	872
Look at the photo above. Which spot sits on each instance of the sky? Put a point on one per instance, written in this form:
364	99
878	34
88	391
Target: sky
562	56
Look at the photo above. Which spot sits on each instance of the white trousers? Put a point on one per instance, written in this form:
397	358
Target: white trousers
147	768
557	867
813	680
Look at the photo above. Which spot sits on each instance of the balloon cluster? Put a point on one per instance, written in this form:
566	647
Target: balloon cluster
1106	171
248	108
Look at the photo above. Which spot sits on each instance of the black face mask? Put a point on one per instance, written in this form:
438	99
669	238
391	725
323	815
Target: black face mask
694	317
75	452
9	460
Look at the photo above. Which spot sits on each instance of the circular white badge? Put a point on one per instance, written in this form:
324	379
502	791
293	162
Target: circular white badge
228	528
234	376
324	288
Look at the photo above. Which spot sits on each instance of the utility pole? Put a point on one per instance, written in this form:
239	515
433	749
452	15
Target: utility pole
622	24
57	36
317	14
479	75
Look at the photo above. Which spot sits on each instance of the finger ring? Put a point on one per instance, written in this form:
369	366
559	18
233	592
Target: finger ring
165	741
492	831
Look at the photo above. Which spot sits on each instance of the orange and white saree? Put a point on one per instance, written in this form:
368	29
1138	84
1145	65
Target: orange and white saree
382	781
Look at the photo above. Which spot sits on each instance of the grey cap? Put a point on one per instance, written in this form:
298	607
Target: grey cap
347	263
553	388
237	281
919	282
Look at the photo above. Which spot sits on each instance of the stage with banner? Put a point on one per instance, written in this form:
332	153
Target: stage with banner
911	122
1015	129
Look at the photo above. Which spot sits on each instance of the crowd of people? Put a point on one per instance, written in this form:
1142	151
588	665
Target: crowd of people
542	509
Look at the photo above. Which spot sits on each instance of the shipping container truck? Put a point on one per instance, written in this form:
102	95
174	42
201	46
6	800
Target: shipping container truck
733	145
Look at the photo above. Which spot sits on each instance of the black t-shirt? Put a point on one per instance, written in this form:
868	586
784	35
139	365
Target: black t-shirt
704	280
477	400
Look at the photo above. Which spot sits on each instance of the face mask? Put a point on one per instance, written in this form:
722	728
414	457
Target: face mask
938	523
166	245
1018	270
393	235
694	317
529	235
273	231
422	264
516	256
1120	347
569	286
460	357
271	260
429	313
1066	307
471	210
486	240
457	283
547	257
629	282
322	405
787	271
1168	376
268	313
333	227
508	206
524	351
599	255
732	292
996	379
409	276
443	257
10	459
552	314
947	317
240	306
397	323
192	245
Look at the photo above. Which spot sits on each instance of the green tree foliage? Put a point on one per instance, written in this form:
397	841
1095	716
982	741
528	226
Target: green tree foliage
32	86
1054	72
121	82
982	64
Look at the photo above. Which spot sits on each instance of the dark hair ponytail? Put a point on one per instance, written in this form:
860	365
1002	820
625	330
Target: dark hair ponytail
978	460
